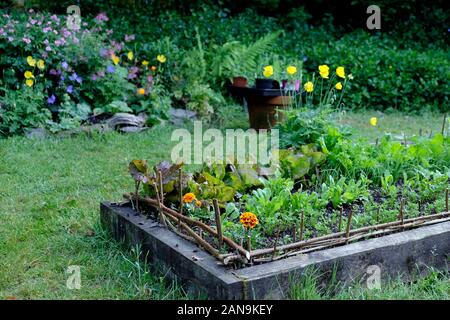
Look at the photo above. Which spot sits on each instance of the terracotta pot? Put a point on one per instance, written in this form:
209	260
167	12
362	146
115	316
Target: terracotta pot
240	82
264	111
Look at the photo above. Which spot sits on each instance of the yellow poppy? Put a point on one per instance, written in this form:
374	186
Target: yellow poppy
373	121
141	91
268	71
309	86
324	71
130	55
28	75
338	86
115	59
29	82
31	62
340	72
291	70
41	64
145	63
161	58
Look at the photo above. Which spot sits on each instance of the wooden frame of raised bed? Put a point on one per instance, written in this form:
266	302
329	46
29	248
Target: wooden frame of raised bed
175	241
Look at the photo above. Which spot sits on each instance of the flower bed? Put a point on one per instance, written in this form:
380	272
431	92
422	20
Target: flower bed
323	194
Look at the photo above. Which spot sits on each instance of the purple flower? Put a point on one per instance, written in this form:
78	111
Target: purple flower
75	77
101	74
64	64
26	40
94	77
10	39
51	99
110	69
48	48
150	79
69	89
305	58
132	73
54	72
129	38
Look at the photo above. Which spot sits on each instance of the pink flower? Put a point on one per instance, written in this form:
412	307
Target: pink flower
48	48
26	40
101	17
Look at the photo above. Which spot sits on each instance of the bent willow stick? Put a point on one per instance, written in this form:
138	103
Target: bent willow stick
301	246
201	225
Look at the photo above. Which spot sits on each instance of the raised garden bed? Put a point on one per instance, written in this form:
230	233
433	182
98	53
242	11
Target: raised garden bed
402	253
327	193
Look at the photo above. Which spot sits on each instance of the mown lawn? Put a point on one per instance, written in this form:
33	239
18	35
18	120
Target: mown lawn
50	192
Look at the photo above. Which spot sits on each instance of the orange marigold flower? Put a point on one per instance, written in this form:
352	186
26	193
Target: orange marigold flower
153	68
249	220
189	197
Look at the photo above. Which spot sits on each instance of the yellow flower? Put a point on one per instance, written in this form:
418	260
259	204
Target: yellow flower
145	63
340	72
268	71
28	75
141	91
41	64
115	59
249	220
198	203
291	70
189	197
130	55
31	62
29	82
373	121
324	71
338	86
161	58
309	86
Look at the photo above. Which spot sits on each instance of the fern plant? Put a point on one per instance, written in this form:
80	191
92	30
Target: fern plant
236	59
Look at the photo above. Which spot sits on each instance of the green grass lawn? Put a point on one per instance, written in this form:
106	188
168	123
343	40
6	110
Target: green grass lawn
50	192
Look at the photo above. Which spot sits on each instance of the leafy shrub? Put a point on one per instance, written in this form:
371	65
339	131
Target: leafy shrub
21	109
